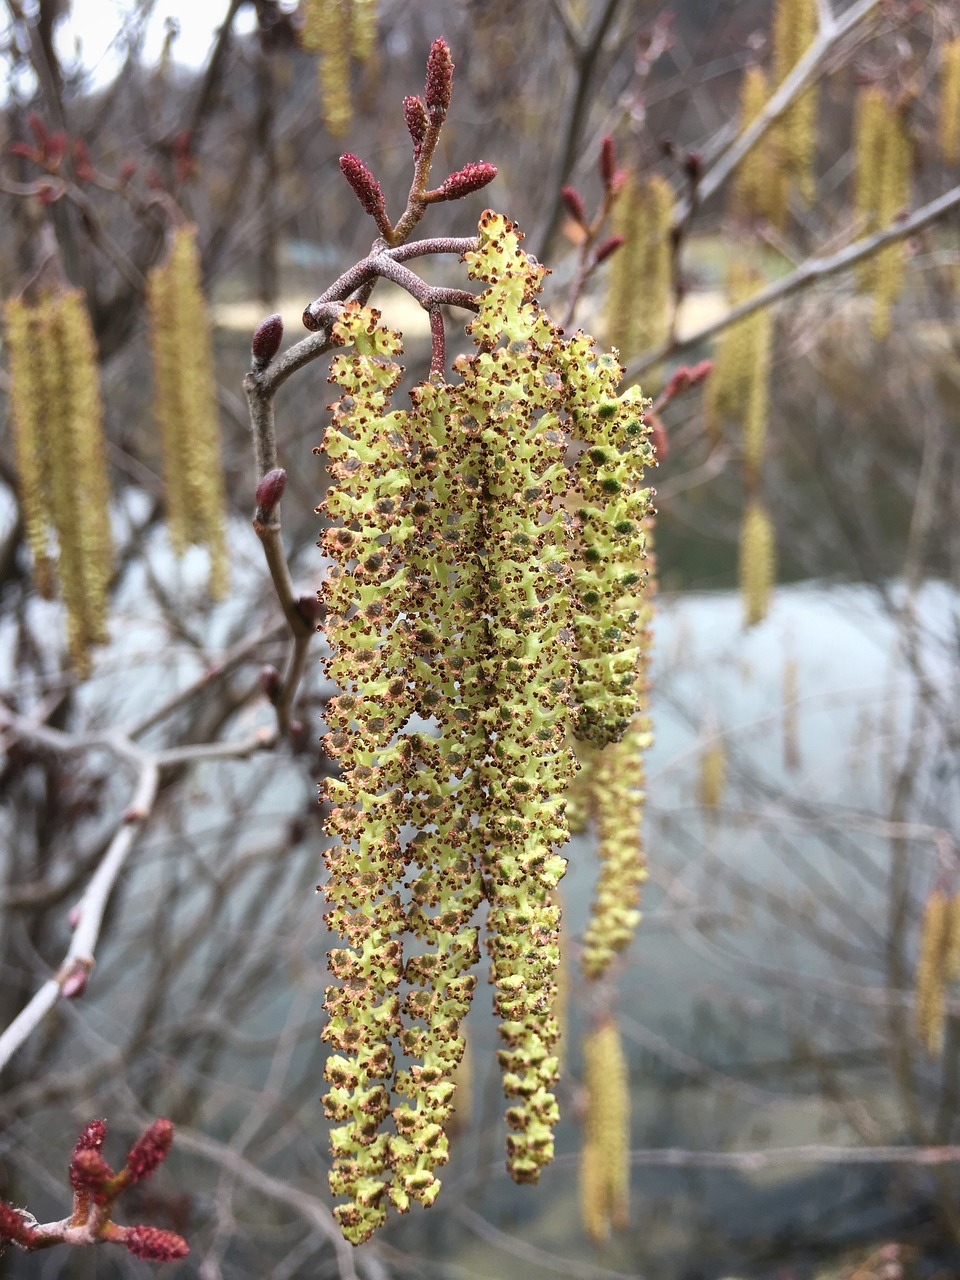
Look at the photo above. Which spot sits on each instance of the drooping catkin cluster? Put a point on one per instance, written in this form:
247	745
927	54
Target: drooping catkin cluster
794	29
605	1149
757	561
883	156
185	405
339	31
938	963
451	619
949	122
58	434
639	288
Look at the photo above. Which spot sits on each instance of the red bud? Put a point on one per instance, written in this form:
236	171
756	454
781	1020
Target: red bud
472	177
13	1226
310	606
75	983
365	186
38	128
418	122
574	204
270	682
266	341
150	1150
270	489
90	1172
608	160
154	1244
439	84
92	1136
608	247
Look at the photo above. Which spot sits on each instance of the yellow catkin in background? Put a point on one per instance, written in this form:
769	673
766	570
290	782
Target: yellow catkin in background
713	774
757	562
883	157
791	719
605	1151
950	101
760	190
58	429
638	296
328	31
185	405
931	970
363	28
794	29
952	965
737	390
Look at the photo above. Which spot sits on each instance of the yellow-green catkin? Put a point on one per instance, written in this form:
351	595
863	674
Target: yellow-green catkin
791	716
58	432
932	966
618	784
760	189
328	30
949	121
185	405
713	774
758	562
738	389
367	593
605	1150
883	156
794	29
638	297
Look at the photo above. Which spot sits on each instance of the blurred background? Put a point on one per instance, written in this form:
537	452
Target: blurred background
787	1016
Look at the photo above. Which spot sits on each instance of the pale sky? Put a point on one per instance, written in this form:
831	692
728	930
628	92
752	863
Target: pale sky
93	25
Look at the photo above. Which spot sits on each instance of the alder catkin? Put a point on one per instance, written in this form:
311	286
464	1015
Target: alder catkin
949	119
638	291
605	1147
185	405
757	563
58	433
884	161
328	30
794	29
932	965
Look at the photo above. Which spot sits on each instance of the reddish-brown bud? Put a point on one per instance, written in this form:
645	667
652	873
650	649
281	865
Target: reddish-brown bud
38	128
609	246
439	84
472	177
658	436
418	122
53	152
90	1172
608	160
13	1226
310	606
693	165
270	490
24	149
573	201
270	682
92	1136
75	983
153	1243
150	1150
127	170
266	340
365	186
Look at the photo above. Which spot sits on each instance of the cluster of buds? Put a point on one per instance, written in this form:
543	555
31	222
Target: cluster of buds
469	613
96	1189
49	150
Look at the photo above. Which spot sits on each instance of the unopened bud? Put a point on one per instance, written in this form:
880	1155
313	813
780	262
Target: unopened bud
266	340
150	1150
573	201
270	490
92	1136
439	84
90	1172
75	983
154	1243
270	682
310	606
365	186
608	160
693	165
609	246
418	122
472	177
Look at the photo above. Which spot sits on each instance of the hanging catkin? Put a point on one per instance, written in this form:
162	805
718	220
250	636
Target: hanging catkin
758	562
883	156
58	430
605	1150
639	287
185	405
794	28
950	101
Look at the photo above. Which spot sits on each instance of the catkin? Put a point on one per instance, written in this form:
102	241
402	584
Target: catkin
949	122
932	966
58	431
795	26
713	774
738	389
757	562
638	297
605	1149
883	155
334	29
185	405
